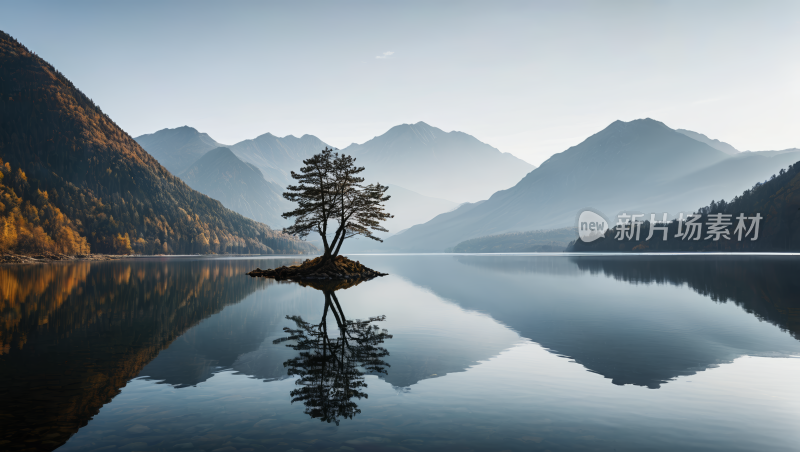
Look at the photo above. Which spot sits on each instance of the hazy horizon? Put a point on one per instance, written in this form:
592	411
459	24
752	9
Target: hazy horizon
531	79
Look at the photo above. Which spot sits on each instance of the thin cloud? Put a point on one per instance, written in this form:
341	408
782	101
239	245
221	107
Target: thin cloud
384	55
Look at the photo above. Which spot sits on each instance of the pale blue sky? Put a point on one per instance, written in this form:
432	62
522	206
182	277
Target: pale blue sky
530	78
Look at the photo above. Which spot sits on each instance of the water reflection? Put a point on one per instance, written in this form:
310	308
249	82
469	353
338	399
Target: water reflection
74	334
629	333
764	286
329	367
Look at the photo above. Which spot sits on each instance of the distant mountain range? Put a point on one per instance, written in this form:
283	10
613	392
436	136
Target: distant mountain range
641	165
277	157
424	159
239	186
410	154
177	149
446	165
117	196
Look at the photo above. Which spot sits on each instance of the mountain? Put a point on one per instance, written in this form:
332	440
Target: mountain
277	157
116	194
731	176
628	165
409	155
239	186
716	144
776	200
554	240
176	149
410	208
431	162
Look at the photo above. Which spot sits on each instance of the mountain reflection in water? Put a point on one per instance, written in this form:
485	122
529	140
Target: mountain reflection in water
72	336
627	333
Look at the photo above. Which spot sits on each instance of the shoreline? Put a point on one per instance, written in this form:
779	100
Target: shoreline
44	258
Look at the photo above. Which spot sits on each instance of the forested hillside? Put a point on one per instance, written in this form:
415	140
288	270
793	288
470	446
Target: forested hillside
30	223
101	179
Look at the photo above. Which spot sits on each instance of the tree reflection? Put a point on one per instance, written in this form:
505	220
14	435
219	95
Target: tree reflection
331	368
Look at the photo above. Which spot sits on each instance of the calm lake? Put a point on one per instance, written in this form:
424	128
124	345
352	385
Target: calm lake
479	352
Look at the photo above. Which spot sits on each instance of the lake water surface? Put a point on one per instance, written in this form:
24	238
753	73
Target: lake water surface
480	352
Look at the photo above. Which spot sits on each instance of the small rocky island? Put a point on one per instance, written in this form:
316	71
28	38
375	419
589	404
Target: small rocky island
337	268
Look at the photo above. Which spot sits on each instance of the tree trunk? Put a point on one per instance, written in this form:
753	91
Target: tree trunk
339	321
339	246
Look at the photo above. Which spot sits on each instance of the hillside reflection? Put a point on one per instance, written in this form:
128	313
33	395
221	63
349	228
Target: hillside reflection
641	336
74	334
330	366
764	286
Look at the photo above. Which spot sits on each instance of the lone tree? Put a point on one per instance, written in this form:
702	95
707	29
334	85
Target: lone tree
330	194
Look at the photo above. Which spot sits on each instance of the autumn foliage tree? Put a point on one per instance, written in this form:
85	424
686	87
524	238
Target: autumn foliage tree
333	202
29	222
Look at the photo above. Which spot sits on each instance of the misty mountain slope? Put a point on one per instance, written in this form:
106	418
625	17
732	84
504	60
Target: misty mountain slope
431	162
239	186
410	208
424	237
178	148
725	179
277	157
716	144
553	240
625	166
776	201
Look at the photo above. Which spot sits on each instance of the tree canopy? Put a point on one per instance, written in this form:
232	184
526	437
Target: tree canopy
332	200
